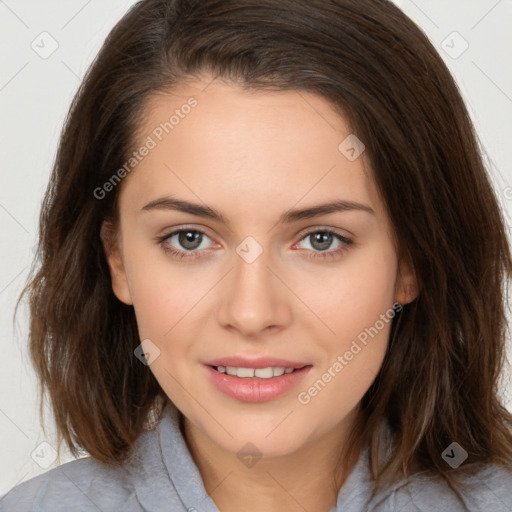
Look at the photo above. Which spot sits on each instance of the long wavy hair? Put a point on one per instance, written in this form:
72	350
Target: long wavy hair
440	380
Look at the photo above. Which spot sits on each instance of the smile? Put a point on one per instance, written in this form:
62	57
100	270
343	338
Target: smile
255	384
261	373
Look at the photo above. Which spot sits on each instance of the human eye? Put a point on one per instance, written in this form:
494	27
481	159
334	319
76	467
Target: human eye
190	240
322	239
190	243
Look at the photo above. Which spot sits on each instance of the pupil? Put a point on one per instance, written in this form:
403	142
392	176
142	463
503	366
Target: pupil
323	239
188	239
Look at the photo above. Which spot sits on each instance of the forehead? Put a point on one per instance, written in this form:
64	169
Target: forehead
220	143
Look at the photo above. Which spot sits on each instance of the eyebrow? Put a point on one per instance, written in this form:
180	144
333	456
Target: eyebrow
288	217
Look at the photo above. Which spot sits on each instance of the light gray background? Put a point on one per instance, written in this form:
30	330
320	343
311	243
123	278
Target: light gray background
35	93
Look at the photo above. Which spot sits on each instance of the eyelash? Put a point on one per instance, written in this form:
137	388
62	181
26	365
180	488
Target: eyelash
322	255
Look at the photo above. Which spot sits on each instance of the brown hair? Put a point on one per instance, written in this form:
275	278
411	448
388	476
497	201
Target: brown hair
439	381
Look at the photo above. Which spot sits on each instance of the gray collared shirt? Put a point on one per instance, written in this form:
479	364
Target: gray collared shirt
162	476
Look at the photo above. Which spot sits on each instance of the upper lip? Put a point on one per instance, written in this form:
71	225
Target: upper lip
258	362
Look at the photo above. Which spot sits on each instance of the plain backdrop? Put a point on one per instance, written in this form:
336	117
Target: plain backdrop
46	48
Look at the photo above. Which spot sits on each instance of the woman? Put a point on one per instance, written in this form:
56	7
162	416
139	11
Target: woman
272	271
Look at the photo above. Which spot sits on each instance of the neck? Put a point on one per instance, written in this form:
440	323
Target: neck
307	479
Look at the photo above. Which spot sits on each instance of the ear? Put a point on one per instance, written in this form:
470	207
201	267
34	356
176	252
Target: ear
406	287
109	237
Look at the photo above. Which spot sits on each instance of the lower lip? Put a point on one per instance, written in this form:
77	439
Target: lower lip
253	389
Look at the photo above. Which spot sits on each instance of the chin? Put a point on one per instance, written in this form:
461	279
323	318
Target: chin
271	438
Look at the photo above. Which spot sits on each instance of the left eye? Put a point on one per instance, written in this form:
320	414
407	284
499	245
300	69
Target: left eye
322	240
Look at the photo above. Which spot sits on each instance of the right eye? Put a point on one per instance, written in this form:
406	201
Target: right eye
183	242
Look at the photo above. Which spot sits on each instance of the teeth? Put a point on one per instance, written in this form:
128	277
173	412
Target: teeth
262	373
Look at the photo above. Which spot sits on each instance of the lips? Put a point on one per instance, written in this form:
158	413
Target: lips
259	362
254	389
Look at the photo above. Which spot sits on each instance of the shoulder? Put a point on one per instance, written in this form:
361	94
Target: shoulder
83	484
488	489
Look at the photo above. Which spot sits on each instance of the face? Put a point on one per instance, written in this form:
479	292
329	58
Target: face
256	281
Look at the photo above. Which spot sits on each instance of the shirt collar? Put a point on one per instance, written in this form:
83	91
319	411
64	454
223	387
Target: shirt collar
164	470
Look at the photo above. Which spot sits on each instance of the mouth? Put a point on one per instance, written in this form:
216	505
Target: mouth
268	372
256	384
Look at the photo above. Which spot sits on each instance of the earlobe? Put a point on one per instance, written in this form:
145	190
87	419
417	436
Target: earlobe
111	247
406	289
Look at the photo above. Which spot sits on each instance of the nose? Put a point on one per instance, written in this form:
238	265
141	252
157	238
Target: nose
254	298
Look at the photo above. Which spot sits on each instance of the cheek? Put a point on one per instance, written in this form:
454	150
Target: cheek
163	290
357	308
353	296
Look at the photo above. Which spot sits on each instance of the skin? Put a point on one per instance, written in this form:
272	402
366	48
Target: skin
252	156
